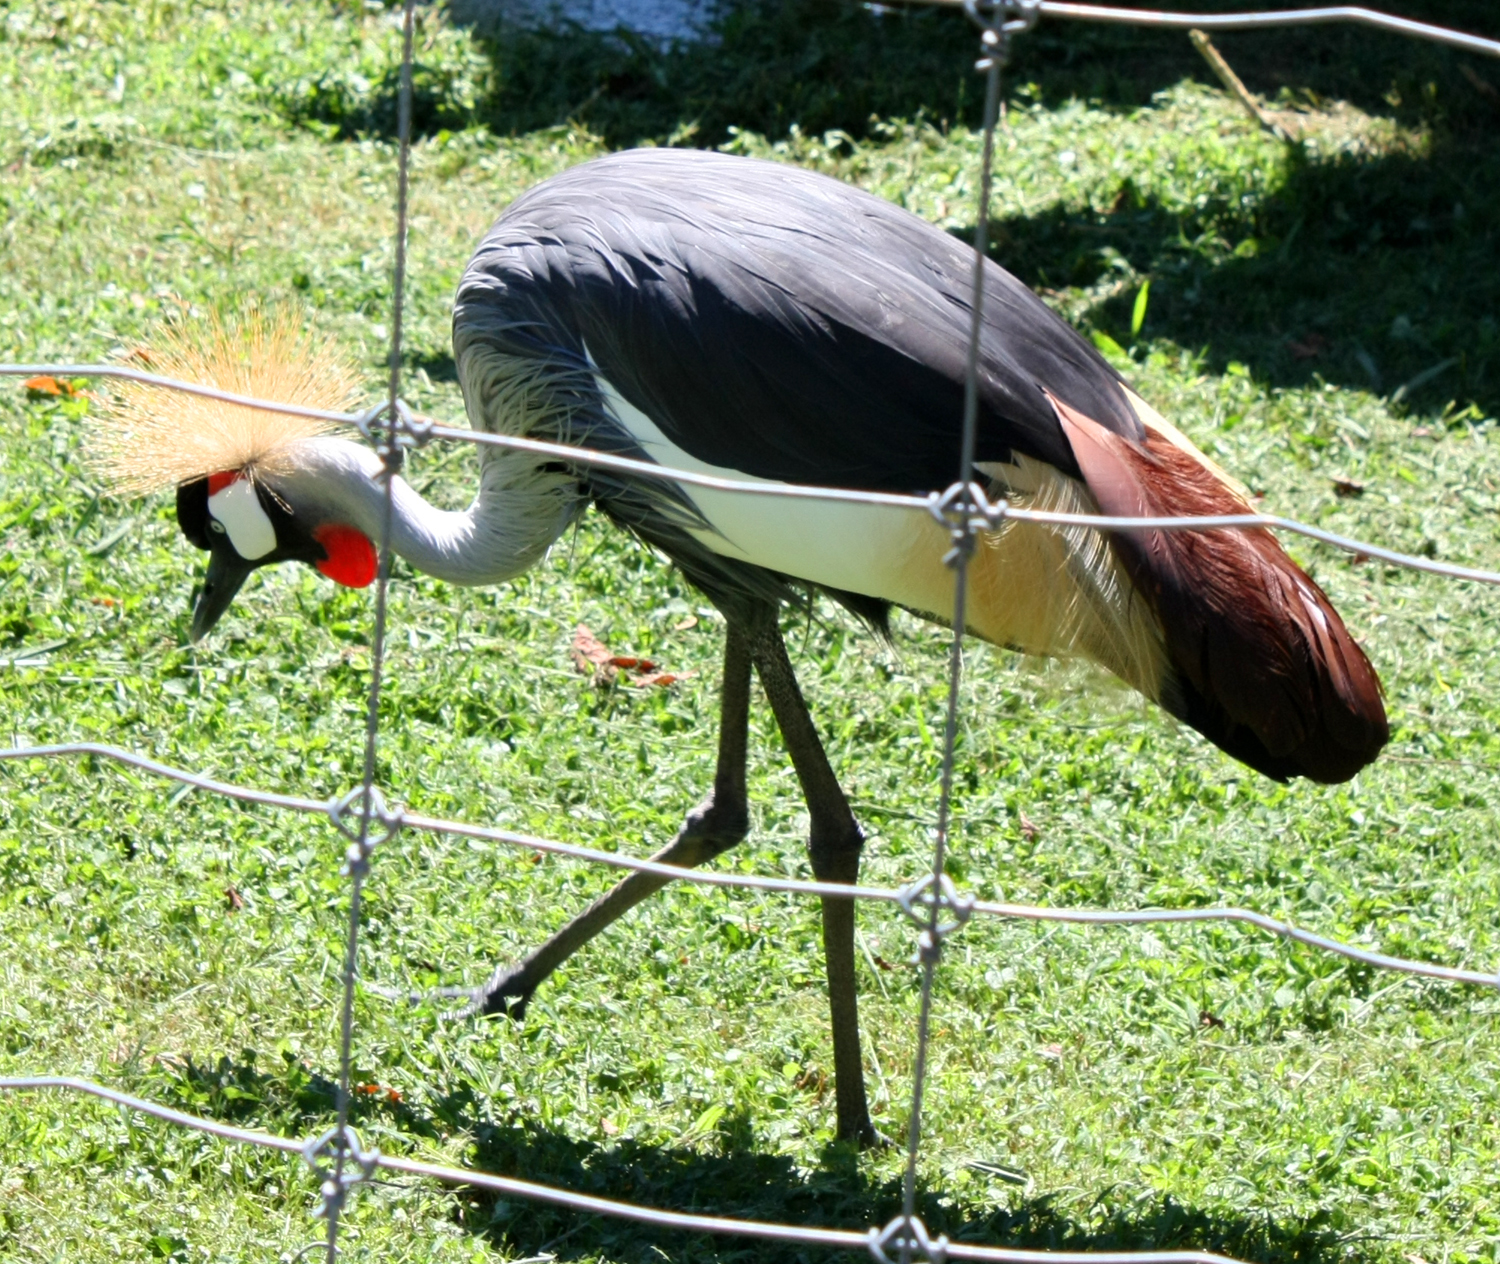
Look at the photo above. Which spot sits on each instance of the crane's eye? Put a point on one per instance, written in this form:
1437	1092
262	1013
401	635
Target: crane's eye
216	526
236	511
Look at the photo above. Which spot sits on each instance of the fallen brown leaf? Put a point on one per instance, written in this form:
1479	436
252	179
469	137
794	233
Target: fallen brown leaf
631	664
1345	487
660	678
47	386
592	656
690	622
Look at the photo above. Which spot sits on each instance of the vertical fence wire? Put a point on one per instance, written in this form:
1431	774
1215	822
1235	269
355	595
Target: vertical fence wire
371	806
962	531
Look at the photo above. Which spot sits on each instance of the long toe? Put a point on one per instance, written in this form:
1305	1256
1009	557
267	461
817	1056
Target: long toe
506	994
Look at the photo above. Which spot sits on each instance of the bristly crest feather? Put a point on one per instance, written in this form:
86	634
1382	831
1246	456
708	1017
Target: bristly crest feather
149	438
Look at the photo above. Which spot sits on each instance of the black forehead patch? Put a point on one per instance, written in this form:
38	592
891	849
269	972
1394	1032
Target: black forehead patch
192	512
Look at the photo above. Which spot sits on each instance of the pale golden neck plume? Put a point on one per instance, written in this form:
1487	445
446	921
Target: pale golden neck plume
149	438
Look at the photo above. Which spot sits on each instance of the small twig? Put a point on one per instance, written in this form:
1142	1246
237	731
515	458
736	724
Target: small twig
1435	759
1235	86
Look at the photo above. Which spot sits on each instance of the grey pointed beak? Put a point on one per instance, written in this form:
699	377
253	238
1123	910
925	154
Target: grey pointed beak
225	576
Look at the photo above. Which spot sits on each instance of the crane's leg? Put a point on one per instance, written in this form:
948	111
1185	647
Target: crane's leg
713	827
834	843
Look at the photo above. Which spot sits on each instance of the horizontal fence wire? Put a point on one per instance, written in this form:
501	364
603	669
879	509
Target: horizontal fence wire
336	810
1270	19
993	512
964	510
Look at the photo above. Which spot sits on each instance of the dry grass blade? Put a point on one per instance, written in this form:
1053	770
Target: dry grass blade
149	438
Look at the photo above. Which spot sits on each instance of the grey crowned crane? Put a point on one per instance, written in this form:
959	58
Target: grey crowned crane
753	320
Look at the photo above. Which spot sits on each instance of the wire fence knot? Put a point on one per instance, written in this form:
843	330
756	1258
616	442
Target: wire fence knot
363	818
402	430
999	20
342	1145
908	1237
963	511
938	907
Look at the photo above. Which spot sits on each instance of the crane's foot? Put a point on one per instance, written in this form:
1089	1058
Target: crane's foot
862	1132
507	992
714	826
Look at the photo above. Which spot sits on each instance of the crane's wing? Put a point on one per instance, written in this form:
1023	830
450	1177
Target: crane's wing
777	322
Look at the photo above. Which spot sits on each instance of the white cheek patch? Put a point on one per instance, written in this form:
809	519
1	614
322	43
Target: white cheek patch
238	510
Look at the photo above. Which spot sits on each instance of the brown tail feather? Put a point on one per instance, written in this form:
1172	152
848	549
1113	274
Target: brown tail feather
1263	665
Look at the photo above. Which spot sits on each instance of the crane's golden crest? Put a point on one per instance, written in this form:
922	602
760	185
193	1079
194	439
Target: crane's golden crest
149	437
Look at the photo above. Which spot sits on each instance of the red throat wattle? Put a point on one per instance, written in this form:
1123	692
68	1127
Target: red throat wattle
351	557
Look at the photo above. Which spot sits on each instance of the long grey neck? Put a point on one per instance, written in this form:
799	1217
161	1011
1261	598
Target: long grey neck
519	511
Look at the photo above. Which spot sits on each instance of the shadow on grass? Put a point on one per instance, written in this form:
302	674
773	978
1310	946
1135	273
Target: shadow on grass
742	1183
725	1174
767	65
1369	273
440	366
832	64
291	1097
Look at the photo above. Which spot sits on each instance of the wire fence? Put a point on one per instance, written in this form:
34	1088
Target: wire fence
987	515
365	821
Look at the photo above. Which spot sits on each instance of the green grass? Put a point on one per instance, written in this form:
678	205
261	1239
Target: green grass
1079	1096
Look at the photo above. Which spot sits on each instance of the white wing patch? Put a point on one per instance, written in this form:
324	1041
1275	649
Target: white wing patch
238	510
878	550
1041	590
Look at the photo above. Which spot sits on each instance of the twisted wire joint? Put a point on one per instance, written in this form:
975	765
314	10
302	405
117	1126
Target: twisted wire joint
356	816
938	907
908	1237
334	1185
403	430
